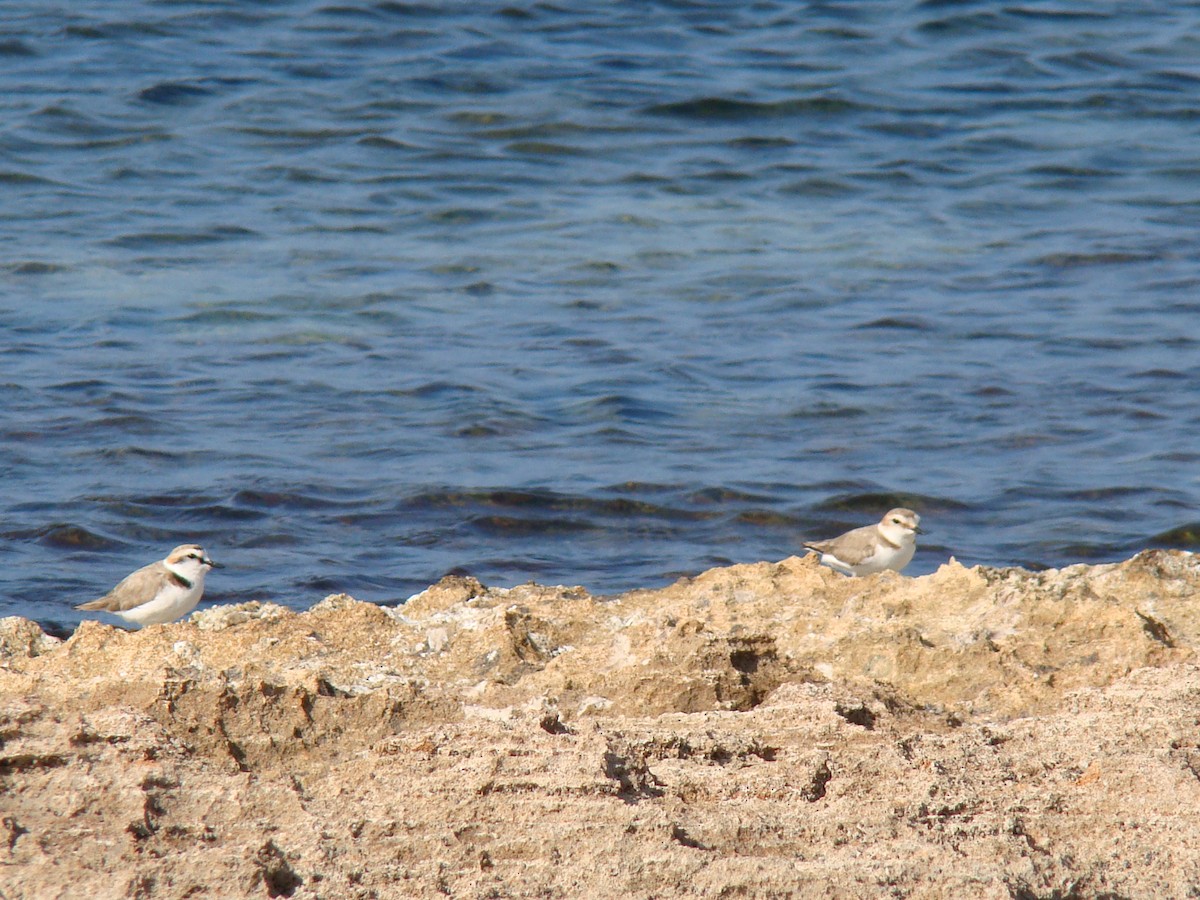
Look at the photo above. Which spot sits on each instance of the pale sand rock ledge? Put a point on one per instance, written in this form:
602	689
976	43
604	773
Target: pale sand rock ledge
768	730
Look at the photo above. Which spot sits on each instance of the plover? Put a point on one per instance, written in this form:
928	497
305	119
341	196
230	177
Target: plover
873	548
160	592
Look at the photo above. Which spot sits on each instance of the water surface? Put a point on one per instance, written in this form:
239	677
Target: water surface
361	293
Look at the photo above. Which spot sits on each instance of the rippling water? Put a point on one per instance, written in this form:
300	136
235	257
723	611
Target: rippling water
360	293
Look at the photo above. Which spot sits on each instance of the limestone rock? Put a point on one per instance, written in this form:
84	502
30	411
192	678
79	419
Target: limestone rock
20	637
771	729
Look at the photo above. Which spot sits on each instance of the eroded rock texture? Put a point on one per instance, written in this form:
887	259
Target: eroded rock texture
768	730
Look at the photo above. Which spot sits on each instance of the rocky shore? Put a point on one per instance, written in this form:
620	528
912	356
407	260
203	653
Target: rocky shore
766	730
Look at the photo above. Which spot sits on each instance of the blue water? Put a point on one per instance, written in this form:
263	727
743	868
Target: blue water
359	293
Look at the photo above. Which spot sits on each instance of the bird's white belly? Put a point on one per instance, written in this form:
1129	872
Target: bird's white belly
168	605
881	560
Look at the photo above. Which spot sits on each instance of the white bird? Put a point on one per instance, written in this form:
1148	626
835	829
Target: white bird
160	592
873	548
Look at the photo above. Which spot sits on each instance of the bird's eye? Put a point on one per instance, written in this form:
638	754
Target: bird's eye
897	521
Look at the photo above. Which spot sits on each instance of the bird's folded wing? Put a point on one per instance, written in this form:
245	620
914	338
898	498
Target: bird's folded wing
852	547
133	591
